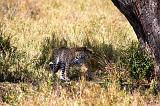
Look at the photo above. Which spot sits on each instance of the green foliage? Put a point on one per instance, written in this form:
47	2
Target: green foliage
139	63
131	62
9	58
153	87
7	52
74	74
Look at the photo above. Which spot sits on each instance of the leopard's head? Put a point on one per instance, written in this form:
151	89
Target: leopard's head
82	54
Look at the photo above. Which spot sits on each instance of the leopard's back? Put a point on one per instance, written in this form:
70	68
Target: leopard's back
72	56
65	55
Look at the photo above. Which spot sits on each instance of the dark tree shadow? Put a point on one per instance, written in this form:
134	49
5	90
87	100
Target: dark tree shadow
48	47
129	64
126	64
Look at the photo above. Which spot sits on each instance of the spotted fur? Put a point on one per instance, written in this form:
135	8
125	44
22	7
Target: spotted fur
67	57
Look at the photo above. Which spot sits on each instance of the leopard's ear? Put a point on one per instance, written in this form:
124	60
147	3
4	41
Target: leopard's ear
84	48
87	50
81	48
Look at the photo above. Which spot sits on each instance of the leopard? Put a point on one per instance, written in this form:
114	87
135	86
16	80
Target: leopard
68	57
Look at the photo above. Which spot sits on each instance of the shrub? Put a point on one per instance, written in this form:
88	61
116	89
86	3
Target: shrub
14	67
8	58
139	63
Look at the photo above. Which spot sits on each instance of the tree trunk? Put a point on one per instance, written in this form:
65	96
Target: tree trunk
144	17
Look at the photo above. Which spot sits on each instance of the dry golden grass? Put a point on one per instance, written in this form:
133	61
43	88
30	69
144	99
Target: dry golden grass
29	22
89	94
73	20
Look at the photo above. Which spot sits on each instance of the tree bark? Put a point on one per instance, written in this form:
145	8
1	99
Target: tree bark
144	17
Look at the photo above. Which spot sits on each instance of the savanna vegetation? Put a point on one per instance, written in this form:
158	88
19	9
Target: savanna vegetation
30	30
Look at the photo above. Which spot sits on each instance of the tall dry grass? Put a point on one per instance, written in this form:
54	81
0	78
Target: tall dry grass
36	27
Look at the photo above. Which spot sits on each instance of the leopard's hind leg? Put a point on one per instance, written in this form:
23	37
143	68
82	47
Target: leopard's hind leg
64	69
54	67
